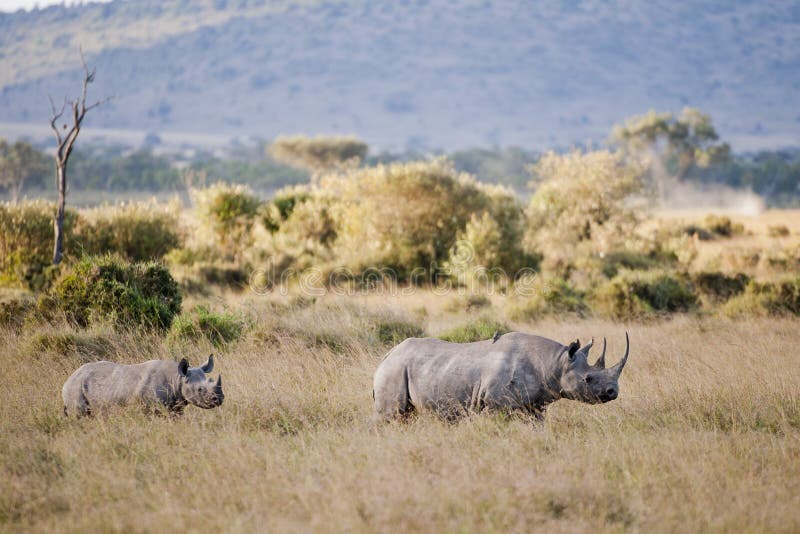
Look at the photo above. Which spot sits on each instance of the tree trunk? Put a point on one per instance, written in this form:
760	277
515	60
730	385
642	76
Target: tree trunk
16	191
61	183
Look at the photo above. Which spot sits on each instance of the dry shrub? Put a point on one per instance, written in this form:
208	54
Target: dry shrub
86	346
137	231
778	230
305	233
26	243
16	310
468	303
722	226
275	212
494	236
581	206
401	216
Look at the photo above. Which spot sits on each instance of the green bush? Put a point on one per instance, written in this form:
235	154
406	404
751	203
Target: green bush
218	328
633	294
137	232
391	330
549	297
106	288
719	287
26	243
228	213
766	298
477	330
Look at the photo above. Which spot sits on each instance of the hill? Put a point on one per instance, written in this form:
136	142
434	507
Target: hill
413	74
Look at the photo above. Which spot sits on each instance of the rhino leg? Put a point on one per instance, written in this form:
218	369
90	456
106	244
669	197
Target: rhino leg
390	394
76	404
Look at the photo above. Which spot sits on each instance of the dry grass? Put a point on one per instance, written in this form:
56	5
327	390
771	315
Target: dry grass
705	436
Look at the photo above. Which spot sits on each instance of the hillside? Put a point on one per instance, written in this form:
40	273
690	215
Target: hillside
413	74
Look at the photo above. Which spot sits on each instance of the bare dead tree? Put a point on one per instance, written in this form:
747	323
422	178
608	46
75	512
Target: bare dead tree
65	139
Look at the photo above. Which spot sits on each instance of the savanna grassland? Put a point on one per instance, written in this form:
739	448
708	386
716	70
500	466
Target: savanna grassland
291	294
705	434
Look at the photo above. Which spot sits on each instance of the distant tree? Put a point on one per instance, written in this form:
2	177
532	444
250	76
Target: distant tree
318	154
64	146
671	146
18	163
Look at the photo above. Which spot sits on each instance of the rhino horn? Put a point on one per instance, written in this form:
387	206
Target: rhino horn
219	382
601	361
617	369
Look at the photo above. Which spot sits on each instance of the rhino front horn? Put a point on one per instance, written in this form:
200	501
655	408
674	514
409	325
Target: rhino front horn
617	369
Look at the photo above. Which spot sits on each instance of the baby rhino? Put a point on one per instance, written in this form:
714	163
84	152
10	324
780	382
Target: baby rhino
159	384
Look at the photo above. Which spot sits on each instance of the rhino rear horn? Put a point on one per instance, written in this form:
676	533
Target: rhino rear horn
617	369
601	361
218	386
209	365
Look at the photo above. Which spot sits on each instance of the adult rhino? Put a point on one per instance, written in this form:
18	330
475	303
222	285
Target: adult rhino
160	384
513	372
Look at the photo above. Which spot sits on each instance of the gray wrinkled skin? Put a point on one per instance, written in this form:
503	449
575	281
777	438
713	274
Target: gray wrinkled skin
517	372
156	384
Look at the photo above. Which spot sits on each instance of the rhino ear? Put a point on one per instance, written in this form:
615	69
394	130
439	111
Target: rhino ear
209	365
573	348
183	366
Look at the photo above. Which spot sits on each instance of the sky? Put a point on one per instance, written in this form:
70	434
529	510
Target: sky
13	5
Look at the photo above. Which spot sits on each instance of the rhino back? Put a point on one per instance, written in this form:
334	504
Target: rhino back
447	376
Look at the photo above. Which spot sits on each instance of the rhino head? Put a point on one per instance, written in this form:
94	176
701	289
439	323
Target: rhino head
196	388
590	383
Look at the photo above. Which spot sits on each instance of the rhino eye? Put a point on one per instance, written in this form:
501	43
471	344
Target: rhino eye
589	379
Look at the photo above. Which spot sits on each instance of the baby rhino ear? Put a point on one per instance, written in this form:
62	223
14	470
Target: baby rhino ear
209	365
183	366
573	348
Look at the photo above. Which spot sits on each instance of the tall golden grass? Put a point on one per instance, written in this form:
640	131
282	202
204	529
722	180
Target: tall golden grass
704	437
